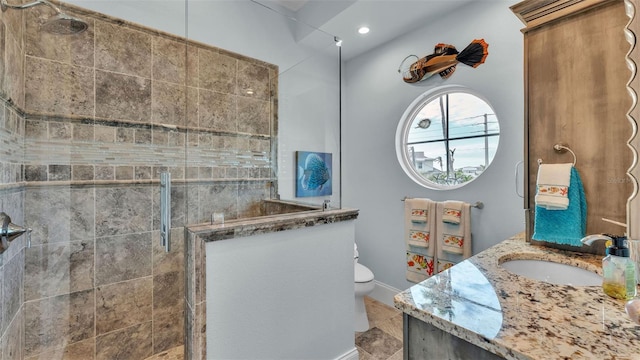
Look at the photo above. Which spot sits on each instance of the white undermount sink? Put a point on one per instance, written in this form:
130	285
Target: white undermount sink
552	272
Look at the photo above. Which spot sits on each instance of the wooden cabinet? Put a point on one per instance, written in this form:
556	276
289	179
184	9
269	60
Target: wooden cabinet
633	32
425	341
576	95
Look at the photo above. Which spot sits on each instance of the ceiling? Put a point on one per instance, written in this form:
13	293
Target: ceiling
293	5
387	19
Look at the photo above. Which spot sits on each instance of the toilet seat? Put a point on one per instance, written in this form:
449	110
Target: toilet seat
362	274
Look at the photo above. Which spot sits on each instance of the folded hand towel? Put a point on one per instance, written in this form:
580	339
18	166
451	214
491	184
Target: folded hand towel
419	215
418	239
451	212
564	226
553	186
444	265
453	241
419	267
418	234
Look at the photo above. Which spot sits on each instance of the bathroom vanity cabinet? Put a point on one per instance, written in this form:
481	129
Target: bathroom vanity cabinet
479	310
425	341
575	77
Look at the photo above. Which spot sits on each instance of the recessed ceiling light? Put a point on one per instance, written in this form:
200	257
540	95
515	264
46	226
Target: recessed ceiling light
363	30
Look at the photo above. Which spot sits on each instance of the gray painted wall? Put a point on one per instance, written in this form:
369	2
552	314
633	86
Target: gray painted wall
375	98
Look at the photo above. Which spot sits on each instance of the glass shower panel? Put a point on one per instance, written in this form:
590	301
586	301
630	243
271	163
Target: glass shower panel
265	89
90	120
308	168
265	86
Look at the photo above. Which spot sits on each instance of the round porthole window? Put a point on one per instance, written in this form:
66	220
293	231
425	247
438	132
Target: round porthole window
447	137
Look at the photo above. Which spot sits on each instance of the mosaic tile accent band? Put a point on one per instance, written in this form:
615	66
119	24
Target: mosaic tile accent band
12	140
57	151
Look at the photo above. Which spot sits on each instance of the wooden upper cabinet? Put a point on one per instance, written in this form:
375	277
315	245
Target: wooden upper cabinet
633	34
576	95
534	13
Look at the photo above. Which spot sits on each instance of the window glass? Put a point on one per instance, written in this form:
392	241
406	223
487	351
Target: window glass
447	137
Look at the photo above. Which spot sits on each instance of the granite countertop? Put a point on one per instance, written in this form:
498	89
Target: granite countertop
518	318
266	224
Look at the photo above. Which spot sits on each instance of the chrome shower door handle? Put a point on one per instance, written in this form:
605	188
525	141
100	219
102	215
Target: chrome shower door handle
165	210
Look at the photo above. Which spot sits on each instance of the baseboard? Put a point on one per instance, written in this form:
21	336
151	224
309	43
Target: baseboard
384	293
351	355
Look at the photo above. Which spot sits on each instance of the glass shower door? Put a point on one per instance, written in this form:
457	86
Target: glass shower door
90	120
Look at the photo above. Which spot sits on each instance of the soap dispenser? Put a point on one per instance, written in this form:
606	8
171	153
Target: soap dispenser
619	280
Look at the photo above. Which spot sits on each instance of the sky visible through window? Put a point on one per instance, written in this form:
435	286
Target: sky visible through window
470	118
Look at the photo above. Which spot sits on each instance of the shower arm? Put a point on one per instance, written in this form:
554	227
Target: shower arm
4	5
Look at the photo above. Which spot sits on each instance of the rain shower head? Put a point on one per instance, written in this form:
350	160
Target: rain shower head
60	23
64	24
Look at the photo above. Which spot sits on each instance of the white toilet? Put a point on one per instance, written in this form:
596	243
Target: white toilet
363	286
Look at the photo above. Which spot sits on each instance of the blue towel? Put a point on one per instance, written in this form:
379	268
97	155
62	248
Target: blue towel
564	226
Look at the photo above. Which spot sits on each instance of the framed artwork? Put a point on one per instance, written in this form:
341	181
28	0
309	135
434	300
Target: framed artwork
313	174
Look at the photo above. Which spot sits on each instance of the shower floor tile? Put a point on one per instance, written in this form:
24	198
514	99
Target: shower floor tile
177	353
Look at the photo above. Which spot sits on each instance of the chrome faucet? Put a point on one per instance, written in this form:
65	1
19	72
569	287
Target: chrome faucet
589	240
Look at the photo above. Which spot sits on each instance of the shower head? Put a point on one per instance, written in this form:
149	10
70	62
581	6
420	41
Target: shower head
63	24
60	23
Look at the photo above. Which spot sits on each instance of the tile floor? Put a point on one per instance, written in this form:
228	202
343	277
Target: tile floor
383	340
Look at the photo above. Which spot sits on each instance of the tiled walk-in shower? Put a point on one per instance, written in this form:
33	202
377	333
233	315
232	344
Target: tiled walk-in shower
87	124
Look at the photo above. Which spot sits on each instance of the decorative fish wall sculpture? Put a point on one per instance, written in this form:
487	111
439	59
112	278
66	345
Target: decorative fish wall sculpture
444	59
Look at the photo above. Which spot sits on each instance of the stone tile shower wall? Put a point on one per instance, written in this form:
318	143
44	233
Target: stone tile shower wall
12	127
11	259
96	118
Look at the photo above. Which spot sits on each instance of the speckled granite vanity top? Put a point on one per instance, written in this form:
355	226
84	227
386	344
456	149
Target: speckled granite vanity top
266	224
518	318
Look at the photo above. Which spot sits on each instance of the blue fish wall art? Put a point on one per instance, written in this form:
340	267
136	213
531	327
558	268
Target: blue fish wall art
313	174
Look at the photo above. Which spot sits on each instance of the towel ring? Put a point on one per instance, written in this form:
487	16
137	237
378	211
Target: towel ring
561	149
